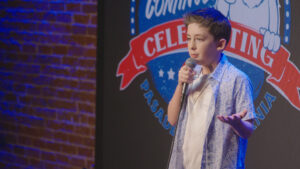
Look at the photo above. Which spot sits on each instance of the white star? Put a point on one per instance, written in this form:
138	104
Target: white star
171	74
161	73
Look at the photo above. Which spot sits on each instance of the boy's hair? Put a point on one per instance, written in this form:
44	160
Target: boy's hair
215	21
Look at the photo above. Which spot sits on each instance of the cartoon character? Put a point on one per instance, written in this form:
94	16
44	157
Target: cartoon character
261	15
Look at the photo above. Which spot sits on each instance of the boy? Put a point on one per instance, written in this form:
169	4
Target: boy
217	117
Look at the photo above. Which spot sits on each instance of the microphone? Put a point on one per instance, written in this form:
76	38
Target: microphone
191	63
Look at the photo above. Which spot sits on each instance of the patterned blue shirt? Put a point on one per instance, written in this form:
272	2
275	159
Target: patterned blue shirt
223	149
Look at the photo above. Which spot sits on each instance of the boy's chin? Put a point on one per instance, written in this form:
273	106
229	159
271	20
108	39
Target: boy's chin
199	61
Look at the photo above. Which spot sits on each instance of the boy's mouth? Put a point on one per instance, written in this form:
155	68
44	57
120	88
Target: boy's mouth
194	55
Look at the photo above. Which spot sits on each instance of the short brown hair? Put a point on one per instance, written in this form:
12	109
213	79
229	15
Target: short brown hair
215	21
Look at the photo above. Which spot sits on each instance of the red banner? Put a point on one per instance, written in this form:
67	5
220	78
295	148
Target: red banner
245	43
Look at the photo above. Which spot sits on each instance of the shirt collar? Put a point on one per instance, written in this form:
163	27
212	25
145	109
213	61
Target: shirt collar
218	72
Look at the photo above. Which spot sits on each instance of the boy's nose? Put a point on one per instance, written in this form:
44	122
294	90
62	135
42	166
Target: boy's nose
193	46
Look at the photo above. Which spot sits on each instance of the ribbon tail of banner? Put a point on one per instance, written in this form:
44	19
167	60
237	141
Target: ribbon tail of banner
129	70
288	84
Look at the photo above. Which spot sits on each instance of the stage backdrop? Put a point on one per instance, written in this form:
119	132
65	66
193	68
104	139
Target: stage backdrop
143	45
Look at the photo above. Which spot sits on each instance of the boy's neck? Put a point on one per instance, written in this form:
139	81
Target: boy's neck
207	69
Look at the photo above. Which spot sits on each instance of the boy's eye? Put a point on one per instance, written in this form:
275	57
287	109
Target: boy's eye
188	38
199	39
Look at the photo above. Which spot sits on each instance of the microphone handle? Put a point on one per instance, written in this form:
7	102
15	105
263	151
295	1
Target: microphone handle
183	96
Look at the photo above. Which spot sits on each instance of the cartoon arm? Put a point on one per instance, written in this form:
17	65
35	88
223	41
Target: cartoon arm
271	34
223	6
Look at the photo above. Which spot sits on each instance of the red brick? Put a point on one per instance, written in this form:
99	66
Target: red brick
55	125
77	161
45	49
64	116
40	102
48	156
39	143
54	70
92	31
48	91
90	53
43	5
83	118
21	160
86	108
60	136
49	16
67	127
91	41
50	165
11	138
79	30
89	8
90	163
85	131
59	82
87	63
68	149
78	39
10	97
35	162
33	153
64	94
86	152
62	158
84	96
30	131
64	17
34	90
29	48
60	50
90	142
88	86
82	19
11	127
76	51
25	140
57	6
52	146
51	124
70	61
27	26
76	139
93	131
46	59
92	121
19	88
73	7
94	20
85	74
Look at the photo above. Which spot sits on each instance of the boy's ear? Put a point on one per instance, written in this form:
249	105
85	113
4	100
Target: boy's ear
221	44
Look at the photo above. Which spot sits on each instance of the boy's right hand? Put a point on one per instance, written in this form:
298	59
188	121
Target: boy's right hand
185	75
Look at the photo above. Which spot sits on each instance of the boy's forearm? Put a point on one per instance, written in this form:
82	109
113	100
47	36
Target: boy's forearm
174	105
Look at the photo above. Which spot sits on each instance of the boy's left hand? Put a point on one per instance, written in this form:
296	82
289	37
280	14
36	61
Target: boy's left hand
233	119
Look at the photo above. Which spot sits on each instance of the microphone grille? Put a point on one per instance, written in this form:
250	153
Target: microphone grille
190	62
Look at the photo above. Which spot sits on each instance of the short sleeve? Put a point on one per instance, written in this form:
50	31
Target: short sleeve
244	98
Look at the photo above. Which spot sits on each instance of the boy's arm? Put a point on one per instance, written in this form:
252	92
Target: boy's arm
174	105
243	128
242	121
185	75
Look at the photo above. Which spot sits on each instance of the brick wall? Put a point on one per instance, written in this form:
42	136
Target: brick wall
47	83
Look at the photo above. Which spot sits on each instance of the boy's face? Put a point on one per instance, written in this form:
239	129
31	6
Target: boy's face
201	44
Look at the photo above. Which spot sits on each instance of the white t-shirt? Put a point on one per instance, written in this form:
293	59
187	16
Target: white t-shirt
199	97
